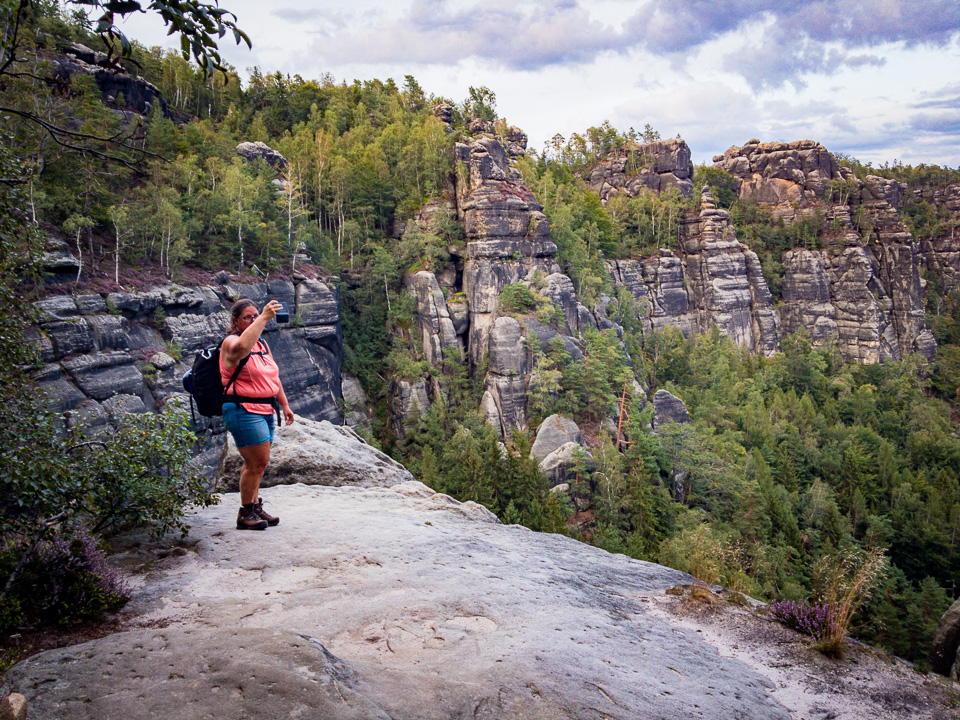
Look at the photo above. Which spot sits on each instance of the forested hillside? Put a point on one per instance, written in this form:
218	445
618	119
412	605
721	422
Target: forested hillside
790	462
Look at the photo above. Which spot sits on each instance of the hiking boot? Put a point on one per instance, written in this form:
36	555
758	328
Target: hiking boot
248	519
263	515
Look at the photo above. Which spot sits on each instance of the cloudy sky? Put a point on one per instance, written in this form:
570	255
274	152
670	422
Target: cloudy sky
877	79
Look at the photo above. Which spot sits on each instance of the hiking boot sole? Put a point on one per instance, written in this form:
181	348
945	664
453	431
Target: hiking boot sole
262	525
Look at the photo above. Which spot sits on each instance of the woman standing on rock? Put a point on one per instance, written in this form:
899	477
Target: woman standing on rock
251	424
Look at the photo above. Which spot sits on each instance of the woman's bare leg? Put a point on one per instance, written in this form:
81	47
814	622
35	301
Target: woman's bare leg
255	459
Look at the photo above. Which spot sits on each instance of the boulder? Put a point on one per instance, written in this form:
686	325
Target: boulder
946	643
553	432
316	453
253	151
13	707
668	408
561	465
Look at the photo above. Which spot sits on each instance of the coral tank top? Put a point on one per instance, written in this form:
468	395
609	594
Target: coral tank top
260	377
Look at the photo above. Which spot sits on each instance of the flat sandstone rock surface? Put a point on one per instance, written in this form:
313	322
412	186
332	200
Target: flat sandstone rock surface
401	603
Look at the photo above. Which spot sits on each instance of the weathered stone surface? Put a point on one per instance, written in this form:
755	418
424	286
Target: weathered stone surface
123	404
509	397
69	337
781	174
13	707
61	395
109	332
138	94
402	605
553	432
252	151
195	332
409	403
103	375
507	234
561	465
162	361
726	284
946	643
433	317
668	408
356	412
91	304
318	303
507	348
58	307
316	453
652	167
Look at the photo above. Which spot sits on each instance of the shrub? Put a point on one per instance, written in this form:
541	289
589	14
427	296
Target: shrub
61	581
174	350
842	581
817	620
517	298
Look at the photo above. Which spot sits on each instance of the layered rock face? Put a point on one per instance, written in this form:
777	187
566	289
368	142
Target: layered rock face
716	281
507	241
652	167
941	255
137	94
113	354
863	291
508	236
781	175
726	283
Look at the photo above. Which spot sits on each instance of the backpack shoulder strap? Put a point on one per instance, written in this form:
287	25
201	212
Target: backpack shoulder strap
236	372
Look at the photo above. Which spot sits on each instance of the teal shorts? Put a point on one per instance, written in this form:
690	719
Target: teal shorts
248	429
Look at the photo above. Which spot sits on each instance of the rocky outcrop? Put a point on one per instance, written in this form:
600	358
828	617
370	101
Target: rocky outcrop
409	404
726	285
553	432
257	150
403	603
653	166
506	388
114	353
785	176
715	281
437	329
135	92
867	296
864	290
668	408
315	453
508	236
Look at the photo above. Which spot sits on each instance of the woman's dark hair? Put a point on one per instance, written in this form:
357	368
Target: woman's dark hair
237	308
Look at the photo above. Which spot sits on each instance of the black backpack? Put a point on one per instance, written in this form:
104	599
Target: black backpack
204	384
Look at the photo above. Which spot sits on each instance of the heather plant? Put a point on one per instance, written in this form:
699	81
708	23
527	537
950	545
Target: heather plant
842	582
66	579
